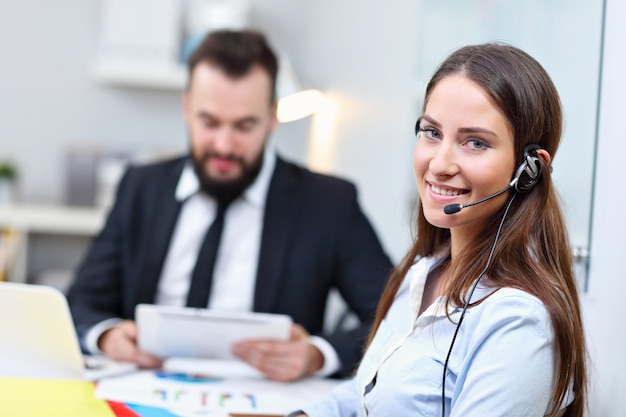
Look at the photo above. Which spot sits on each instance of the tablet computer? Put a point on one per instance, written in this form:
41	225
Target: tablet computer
168	331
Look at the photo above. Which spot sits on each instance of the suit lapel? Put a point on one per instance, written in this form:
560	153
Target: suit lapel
280	209
161	227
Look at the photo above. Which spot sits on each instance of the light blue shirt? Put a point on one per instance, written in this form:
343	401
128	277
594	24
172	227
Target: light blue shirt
502	363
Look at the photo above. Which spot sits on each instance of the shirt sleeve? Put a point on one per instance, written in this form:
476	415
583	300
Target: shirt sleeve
332	362
93	334
341	402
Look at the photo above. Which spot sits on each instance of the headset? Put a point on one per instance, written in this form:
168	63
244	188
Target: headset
525	178
529	171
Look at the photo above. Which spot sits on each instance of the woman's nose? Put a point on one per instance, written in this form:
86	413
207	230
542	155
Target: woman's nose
444	161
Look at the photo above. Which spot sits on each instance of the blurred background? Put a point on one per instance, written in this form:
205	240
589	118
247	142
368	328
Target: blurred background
90	86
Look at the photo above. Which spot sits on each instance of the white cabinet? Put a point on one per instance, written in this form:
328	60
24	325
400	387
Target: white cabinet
49	240
145	43
140	44
169	76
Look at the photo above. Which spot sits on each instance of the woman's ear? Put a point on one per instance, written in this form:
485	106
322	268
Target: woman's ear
543	154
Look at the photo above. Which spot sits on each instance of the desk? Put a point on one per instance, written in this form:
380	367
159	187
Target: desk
21	397
66	398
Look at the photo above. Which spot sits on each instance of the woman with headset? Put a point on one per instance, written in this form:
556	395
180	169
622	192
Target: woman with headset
482	316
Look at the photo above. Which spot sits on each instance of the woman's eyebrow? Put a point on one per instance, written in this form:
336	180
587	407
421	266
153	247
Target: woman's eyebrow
461	130
477	130
430	120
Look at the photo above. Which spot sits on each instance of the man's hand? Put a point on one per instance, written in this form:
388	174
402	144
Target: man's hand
120	344
282	361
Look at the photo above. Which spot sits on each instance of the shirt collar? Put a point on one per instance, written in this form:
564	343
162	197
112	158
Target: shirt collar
188	183
418	274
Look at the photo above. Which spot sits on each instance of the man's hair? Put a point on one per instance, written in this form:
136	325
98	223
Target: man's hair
235	53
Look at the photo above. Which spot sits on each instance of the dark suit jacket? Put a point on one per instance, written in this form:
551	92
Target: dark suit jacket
314	238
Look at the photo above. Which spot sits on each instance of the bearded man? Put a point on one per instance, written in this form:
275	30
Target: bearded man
286	236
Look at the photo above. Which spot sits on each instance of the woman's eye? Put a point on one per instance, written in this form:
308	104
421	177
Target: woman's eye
431	133
477	144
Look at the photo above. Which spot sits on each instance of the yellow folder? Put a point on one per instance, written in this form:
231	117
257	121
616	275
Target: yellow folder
28	397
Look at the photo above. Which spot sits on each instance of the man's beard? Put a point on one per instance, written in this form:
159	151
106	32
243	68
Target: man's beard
226	189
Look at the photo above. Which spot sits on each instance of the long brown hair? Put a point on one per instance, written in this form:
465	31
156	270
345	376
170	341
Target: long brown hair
533	252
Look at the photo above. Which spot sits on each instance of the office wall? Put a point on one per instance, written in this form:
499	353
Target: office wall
603	305
368	68
49	101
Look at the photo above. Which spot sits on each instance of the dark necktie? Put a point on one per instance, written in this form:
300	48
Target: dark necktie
202	276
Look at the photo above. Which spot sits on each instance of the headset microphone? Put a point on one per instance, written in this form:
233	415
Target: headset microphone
455	208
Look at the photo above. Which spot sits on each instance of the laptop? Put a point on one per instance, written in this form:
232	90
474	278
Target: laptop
39	339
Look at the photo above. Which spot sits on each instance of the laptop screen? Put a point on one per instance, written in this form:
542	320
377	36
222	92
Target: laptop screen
38	336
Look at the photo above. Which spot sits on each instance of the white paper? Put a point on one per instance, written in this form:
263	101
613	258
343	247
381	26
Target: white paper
222	368
230	395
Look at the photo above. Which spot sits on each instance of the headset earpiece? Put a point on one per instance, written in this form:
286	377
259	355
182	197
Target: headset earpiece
529	171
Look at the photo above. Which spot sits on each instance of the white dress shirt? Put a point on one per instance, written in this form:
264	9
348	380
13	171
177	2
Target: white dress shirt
235	270
238	255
